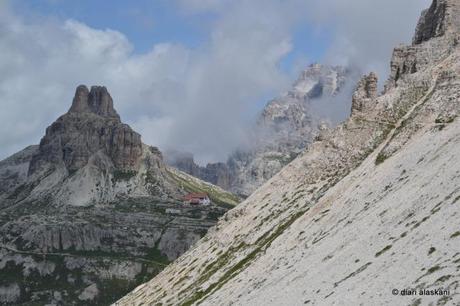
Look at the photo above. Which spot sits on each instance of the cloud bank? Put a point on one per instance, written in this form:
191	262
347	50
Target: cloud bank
188	99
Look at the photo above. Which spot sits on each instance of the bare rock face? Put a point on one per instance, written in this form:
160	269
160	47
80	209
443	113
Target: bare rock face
365	93
14	170
215	173
97	101
436	36
438	20
318	80
183	161
91	125
219	174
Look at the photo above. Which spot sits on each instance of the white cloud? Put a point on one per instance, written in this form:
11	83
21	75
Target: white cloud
110	45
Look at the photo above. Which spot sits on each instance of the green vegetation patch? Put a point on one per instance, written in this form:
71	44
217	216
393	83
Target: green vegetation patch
381	157
433	269
154	254
263	243
443	279
383	250
430	271
361	269
444	120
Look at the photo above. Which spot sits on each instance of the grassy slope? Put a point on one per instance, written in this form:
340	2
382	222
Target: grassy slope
216	194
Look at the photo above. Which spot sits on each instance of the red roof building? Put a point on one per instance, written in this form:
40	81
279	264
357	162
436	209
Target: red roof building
197	199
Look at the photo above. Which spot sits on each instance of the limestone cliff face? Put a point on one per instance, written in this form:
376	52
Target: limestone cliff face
436	36
371	206
439	20
97	101
90	126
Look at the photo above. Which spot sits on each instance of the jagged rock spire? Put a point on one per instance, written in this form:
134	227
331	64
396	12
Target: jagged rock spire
442	17
97	101
76	136
436	36
365	93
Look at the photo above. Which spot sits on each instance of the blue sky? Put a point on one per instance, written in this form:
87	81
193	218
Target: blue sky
144	22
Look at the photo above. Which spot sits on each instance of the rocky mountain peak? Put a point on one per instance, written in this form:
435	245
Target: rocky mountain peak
437	36
314	82
439	19
78	135
288	123
317	80
97	101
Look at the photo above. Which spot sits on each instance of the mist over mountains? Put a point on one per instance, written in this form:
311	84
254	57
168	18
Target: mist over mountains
248	54
319	99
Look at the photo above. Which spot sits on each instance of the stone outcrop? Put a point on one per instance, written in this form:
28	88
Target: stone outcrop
218	174
439	20
48	252
97	101
365	94
184	161
319	80
14	171
436	36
